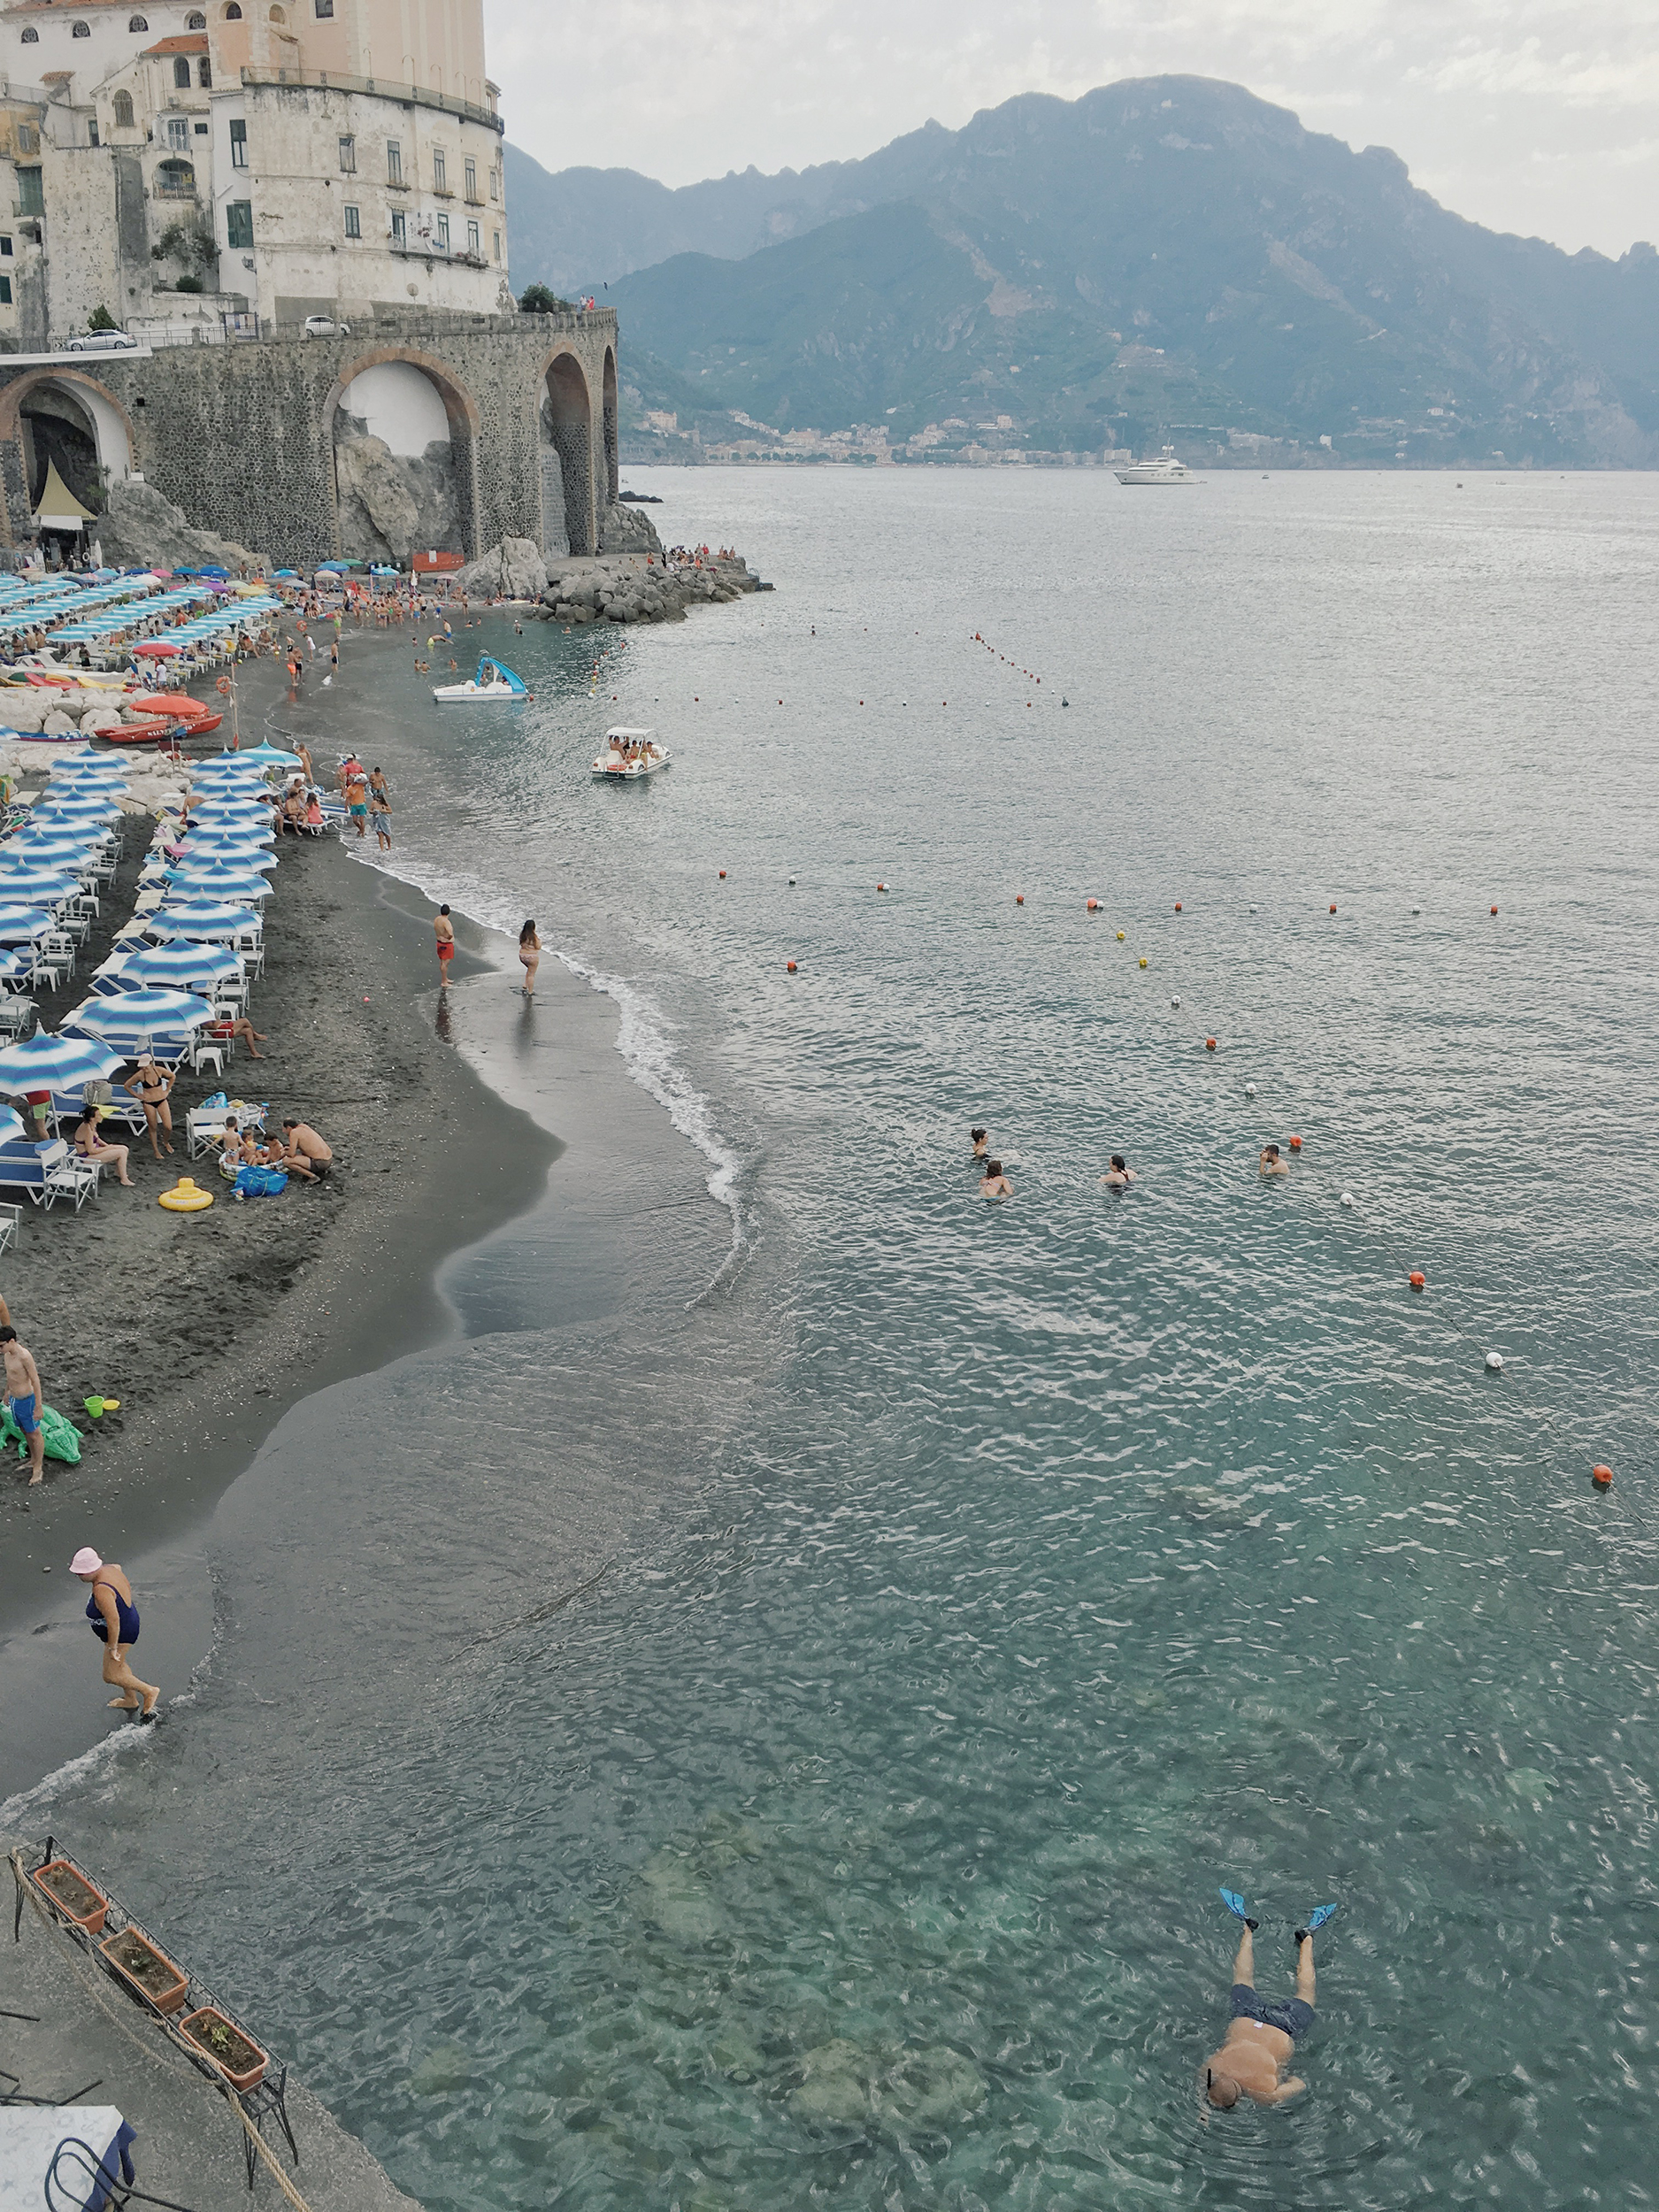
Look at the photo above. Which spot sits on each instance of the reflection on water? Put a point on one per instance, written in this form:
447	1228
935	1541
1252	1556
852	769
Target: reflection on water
978	1586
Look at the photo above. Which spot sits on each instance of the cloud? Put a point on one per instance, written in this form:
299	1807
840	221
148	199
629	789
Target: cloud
1470	98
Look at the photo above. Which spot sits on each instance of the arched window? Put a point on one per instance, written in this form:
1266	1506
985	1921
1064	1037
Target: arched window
279	15
195	21
81	30
175	177
123	110
31	37
137	23
180	72
233	13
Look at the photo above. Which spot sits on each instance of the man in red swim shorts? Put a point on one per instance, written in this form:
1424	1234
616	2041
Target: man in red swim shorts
446	946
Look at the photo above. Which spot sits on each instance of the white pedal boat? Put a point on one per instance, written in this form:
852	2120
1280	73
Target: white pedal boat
492	682
629	757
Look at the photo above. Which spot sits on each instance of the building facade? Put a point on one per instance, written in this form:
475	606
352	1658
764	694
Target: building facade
265	160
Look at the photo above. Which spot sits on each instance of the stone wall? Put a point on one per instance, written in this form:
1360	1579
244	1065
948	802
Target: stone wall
243	436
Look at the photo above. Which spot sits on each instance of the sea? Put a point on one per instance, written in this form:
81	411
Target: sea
761	1718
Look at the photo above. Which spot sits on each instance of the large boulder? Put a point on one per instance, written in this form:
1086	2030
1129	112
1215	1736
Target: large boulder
141	528
374	492
628	530
512	570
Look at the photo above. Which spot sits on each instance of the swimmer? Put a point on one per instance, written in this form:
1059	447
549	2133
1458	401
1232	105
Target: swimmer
1271	1164
1262	2039
981	1139
995	1184
1119	1176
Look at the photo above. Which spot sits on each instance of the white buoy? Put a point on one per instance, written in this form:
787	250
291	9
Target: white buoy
1249	1090
792	883
1252	910
1347	1198
1417	910
1495	1363
1175	1001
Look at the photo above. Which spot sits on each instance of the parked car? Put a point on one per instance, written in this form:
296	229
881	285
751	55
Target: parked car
325	326
101	342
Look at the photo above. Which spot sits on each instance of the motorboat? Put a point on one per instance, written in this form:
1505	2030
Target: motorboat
491	682
1165	470
629	757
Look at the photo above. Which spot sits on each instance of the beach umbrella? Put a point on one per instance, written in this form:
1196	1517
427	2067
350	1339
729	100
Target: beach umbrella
221	884
60	807
24	925
267	756
42	851
45	1062
11	1124
37	886
157	649
177	964
202	926
229	772
226	808
229	853
122	1013
76	765
191	908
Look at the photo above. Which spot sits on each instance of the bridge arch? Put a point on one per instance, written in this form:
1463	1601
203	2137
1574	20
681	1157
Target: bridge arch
403	432
569	519
64	417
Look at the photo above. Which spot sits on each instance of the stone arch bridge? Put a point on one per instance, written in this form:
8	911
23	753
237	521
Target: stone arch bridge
409	435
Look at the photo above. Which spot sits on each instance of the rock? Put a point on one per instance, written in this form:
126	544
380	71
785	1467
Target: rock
141	528
100	718
627	530
511	570
835	2086
393	504
57	724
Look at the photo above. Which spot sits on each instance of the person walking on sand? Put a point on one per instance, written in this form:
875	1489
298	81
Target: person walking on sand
114	1619
1261	2038
445	933
24	1397
150	1084
529	955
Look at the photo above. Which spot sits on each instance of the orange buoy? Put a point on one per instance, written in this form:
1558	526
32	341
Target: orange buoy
1091	906
1209	1044
1020	898
1495	909
1602	1476
1295	1144
882	886
723	875
1333	910
1418	1279
1178	906
791	966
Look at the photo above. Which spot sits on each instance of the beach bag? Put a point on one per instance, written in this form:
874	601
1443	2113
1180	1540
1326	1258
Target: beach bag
261	1182
218	1099
59	1439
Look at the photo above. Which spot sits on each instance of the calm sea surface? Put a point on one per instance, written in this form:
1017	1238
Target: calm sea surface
1021	1571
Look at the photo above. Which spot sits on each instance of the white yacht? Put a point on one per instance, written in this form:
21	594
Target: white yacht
1165	470
629	757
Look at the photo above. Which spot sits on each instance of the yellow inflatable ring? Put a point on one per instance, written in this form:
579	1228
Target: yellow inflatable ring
184	1197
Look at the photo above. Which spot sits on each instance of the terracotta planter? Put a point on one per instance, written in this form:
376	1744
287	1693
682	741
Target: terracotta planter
150	1971
71	1896
237	2057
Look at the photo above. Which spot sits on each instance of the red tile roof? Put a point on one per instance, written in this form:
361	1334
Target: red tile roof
192	42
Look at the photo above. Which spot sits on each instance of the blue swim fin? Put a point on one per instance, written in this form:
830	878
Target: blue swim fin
1317	1918
1235	1904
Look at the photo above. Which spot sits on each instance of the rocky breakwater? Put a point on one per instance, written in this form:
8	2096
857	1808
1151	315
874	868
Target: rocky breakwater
641	587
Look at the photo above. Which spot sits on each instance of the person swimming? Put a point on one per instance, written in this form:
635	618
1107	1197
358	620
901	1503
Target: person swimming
995	1184
1271	1164
981	1139
1120	1175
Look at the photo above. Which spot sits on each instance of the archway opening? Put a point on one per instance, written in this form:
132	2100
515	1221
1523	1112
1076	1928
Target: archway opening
613	481
567	460
68	425
398	486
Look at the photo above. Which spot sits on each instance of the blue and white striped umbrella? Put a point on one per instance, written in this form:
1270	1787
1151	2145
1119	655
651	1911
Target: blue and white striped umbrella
231	860
40	851
204	926
52	805
37	886
177	964
11	1124
45	1062
24	925
216	883
142	1014
264	756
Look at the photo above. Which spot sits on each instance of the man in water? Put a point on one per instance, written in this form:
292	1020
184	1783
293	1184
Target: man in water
1262	2039
1271	1164
25	1397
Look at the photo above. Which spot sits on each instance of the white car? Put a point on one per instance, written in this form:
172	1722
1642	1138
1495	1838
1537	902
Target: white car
325	326
101	342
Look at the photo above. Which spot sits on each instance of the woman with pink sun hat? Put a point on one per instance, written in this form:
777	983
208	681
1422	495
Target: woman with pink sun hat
114	1618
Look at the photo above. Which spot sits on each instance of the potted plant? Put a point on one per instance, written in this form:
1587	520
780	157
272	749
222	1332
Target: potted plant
239	2059
71	1896
151	1972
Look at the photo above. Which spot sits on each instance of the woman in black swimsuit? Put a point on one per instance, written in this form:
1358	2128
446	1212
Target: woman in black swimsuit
114	1619
150	1085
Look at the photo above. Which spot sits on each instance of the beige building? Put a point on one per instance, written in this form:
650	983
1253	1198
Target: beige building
257	158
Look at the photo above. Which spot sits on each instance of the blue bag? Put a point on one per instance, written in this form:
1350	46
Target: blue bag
261	1182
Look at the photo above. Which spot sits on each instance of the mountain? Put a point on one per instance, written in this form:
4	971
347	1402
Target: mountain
1170	257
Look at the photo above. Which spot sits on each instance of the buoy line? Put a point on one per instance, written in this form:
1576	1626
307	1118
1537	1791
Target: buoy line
1601	1473
1007	659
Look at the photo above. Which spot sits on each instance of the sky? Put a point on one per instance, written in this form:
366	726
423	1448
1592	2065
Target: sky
1526	115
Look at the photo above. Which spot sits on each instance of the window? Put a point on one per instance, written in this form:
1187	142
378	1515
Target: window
30	199
5	247
195	22
174	180
279	15
472	238
440	170
238	143
204	74
497	238
493	177
394	162
200	130
353	223
180	73
179	134
471	180
123	110
325	11
137	23
31	37
81	30
233	14
238	224
400	234
443	233
348	156
6	291
92	131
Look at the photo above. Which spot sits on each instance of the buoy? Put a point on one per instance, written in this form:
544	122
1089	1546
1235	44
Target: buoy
723	875
1143	960
1249	1090
1295	1144
1495	1363
1178	906
184	1197
1020	898
792	883
1602	1477
1495	909
1333	910
1175	1001
1091	906
1209	1044
790	965
1120	937
1252	910
1417	910
1347	1198
1418	1279
882	886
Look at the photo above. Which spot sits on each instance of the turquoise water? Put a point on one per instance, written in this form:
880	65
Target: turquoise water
1016	1573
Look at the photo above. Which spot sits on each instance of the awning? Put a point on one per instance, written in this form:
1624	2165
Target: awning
59	508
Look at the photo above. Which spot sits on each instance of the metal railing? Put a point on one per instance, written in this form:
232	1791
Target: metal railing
410	95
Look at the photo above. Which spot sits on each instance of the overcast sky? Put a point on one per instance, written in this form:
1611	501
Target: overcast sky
1527	115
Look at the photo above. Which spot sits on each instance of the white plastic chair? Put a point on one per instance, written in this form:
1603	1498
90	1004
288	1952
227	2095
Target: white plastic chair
203	1049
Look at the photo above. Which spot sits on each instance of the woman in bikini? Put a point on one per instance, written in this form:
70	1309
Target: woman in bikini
114	1619
151	1084
90	1145
530	955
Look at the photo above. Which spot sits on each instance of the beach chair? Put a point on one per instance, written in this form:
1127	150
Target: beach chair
17	1016
10	1221
44	1170
203	1048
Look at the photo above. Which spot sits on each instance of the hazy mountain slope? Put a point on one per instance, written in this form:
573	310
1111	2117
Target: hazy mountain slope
1171	254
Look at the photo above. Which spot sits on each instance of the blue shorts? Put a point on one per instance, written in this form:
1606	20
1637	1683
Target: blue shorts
357	811
1292	2018
24	1413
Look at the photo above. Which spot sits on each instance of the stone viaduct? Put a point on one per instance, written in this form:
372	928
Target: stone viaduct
243	436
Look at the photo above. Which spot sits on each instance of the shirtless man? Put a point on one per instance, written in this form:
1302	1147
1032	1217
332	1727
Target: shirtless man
25	1397
305	1153
1262	2039
445	932
1271	1164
